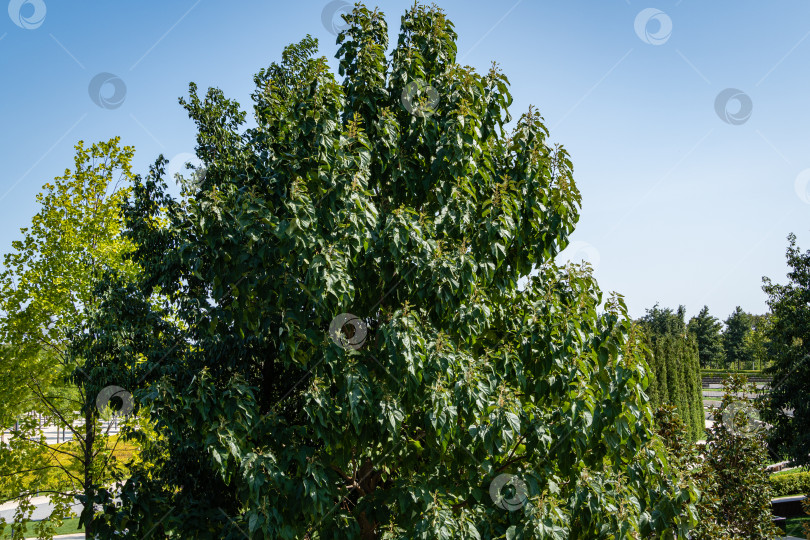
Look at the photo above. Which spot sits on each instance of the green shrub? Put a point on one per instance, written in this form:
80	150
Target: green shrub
791	484
735	499
722	372
735	489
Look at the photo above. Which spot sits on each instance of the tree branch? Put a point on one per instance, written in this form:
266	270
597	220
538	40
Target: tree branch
56	412
54	449
350	481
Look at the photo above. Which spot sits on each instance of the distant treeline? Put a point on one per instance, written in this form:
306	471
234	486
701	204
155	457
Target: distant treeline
740	342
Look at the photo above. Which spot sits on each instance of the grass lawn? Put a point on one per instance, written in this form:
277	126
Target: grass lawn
794	526
124	450
69	526
788	471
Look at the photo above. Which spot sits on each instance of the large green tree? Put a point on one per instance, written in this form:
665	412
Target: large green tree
46	287
708	333
738	326
787	405
354	356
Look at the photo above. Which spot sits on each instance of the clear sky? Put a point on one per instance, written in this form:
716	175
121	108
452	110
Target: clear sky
689	190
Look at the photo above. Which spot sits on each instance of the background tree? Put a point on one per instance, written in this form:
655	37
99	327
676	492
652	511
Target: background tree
787	406
707	331
664	321
675	368
45	288
738	325
756	341
396	195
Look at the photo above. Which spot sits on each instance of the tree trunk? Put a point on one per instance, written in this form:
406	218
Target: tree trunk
89	487
368	478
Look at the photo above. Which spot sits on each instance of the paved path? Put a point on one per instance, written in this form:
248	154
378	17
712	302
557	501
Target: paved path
759	386
720	393
42	511
54	435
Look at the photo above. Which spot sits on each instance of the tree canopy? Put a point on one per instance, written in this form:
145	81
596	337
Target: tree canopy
738	326
663	321
351	354
708	333
47	287
49	275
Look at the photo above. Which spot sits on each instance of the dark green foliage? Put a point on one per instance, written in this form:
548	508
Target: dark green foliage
664	322
797	483
675	379
789	336
421	222
666	347
707	332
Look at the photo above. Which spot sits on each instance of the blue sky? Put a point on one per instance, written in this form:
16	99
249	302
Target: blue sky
685	200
